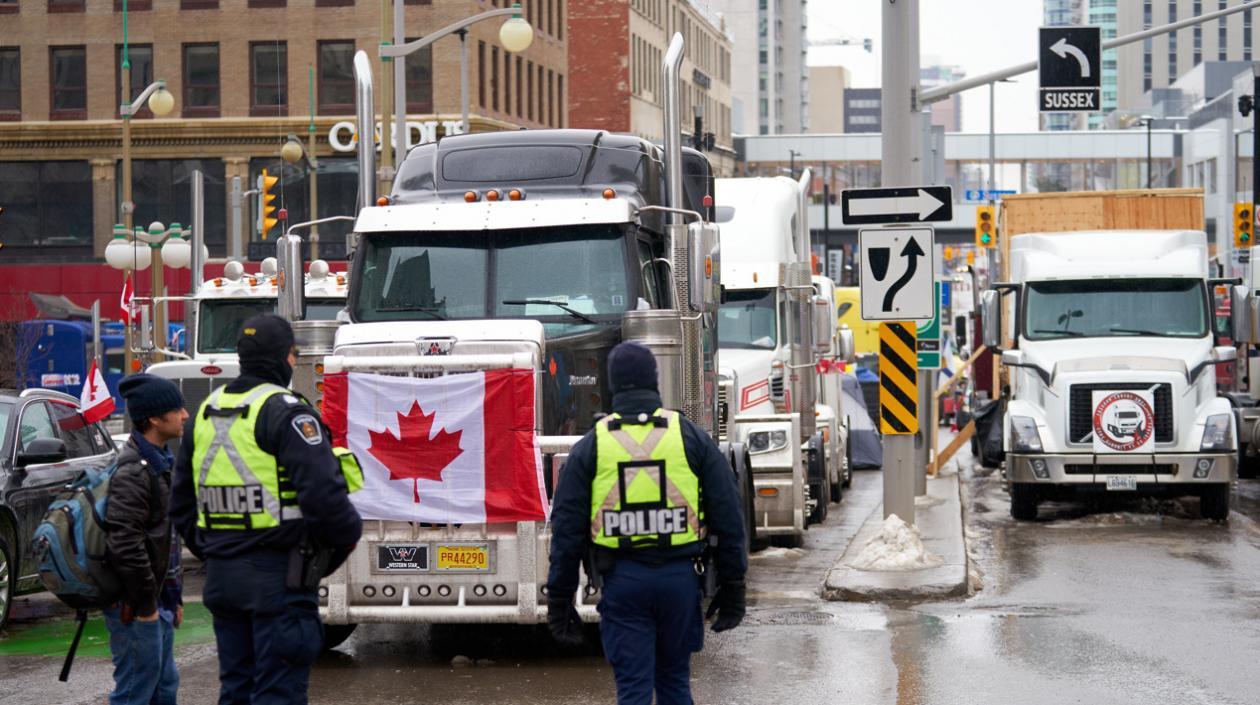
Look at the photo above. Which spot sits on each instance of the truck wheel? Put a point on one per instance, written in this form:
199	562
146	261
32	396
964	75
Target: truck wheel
8	580
1214	504
848	463
336	634
818	480
1023	501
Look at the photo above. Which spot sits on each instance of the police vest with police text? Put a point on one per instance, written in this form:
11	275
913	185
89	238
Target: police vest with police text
645	493
238	484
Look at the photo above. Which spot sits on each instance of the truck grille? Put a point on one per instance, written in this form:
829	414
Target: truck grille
725	388
1087	469
1081	408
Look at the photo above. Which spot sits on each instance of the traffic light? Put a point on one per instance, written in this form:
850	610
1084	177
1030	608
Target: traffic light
1244	225
986	228
266	222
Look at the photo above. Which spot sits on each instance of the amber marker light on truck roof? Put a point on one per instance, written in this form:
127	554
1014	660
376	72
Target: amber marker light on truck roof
470	196
382	201
516	195
492	195
609	193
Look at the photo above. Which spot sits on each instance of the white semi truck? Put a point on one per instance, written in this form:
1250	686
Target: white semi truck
775	328
1112	369
538	248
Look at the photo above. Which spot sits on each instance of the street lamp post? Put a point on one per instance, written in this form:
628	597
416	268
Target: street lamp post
293	152
1150	175
792	155
516	35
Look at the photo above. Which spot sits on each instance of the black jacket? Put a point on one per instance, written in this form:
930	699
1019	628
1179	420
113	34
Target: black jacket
327	514
719	497
138	531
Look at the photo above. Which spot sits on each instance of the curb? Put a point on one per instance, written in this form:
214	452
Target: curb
941	525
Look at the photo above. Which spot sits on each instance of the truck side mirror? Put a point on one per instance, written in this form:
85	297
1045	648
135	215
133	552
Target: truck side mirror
704	281
991	318
848	346
146	327
820	310
1239	314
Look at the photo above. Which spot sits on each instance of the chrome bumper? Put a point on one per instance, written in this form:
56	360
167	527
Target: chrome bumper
1148	468
777	502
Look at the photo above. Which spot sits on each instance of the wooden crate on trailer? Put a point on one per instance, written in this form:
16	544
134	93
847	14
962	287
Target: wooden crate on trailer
1143	209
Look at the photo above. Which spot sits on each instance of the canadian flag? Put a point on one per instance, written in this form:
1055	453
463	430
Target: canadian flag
449	450
125	301
95	402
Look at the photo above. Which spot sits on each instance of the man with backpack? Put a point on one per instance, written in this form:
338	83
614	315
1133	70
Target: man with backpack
140	547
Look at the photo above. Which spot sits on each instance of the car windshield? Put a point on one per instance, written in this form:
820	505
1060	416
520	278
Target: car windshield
570	278
748	320
1100	308
219	324
6	410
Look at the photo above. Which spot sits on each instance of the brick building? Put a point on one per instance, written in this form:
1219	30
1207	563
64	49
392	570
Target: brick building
245	74
615	52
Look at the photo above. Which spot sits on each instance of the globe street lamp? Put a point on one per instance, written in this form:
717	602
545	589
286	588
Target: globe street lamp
516	35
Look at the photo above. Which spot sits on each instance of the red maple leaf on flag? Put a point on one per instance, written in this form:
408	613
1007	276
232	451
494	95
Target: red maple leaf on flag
413	454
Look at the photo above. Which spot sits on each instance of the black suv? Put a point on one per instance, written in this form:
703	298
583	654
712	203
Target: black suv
44	446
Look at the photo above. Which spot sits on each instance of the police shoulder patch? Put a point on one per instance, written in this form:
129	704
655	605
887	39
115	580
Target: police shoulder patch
308	428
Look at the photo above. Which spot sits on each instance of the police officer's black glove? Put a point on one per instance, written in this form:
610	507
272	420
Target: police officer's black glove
563	621
729	604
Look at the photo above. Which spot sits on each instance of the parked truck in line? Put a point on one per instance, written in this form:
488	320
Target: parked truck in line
1110	351
546	247
774	331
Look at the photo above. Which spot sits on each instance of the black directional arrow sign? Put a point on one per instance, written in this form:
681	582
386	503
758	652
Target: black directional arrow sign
1070	67
913	204
897	273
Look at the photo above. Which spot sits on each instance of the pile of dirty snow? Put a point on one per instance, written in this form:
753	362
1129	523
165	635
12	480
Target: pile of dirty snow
896	547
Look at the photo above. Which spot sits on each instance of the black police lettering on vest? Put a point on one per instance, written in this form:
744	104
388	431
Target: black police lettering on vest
645	522
231	500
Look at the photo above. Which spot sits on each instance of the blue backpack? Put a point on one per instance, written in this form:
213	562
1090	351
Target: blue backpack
70	544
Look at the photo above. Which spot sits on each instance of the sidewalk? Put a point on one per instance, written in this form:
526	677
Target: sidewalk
938	515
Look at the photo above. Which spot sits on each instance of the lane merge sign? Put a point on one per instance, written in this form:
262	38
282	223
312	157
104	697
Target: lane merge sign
897	273
898	379
883	206
1070	69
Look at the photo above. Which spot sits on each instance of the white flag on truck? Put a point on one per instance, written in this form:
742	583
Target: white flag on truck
95	401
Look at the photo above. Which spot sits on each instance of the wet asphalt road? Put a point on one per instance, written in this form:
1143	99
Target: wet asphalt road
1137	603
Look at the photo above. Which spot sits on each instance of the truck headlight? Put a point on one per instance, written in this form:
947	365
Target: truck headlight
766	441
1216	435
1024	436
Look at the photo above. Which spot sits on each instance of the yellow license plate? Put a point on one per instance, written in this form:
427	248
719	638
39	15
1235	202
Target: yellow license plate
471	558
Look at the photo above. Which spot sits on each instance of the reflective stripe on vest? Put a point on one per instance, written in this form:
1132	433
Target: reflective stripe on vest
238	484
645	493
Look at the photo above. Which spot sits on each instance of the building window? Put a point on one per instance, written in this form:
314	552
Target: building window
267	3
481	74
1222	36
198	4
68	83
140	57
134	5
419	72
494	78
520	104
333	3
542	112
1246	35
559	19
201	80
336	186
47	204
65	6
560	99
529	86
507	82
336	76
160	192
8	7
551	103
10	83
269	79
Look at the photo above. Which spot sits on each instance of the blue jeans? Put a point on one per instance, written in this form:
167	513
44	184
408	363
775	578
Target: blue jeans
268	636
650	624
144	660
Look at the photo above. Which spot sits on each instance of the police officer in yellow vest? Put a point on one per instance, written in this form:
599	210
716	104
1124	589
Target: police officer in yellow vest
646	488
259	494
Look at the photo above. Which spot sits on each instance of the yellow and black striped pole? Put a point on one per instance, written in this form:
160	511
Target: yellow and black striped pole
898	379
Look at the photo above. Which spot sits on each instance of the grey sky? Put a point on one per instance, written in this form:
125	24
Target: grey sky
978	35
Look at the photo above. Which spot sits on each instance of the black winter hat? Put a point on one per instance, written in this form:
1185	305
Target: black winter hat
264	337
631	366
148	396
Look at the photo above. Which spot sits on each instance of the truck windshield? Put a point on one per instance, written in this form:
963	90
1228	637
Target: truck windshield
568	278
219	322
748	320
1093	308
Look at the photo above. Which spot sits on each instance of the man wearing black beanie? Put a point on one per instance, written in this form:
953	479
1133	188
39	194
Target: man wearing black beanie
257	492
140	548
646	487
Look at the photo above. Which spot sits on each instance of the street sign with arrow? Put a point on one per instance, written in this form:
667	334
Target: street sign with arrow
897	274
1070	66
915	204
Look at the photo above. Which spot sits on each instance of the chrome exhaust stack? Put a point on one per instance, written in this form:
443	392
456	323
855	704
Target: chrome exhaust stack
365	128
